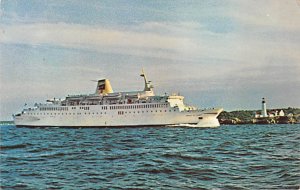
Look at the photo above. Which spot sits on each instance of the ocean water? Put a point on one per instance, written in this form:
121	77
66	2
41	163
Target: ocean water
228	157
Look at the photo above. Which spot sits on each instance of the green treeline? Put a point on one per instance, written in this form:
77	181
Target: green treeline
6	122
247	116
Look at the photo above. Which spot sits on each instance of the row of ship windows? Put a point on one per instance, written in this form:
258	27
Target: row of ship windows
97	113
125	112
82	108
139	106
62	108
55	109
65	113
106	107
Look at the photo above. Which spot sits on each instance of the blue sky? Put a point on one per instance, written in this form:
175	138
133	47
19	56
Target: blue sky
228	53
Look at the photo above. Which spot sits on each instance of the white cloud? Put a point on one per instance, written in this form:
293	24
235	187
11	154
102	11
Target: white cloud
282	14
81	36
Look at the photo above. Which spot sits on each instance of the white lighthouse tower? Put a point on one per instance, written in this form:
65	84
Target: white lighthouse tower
264	108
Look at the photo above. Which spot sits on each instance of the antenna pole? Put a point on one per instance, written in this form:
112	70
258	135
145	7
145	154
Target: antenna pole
147	87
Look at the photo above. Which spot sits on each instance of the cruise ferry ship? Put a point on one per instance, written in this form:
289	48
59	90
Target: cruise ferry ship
106	108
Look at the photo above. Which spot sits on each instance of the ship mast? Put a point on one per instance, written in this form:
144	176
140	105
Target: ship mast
148	86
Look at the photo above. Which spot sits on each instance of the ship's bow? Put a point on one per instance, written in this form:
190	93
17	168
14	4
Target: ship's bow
209	118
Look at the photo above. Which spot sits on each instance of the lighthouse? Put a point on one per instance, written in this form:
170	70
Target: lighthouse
264	108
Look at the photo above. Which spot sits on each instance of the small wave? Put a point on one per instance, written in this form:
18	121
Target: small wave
148	165
238	178
9	147
4	171
296	187
158	161
225	144
198	171
90	174
54	185
127	140
224	152
36	150
280	172
115	175
30	174
256	148
270	135
19	186
57	146
106	136
259	167
206	178
287	176
131	145
189	157
156	171
36	159
56	155
12	158
111	158
96	179
245	154
232	187
289	159
279	144
84	151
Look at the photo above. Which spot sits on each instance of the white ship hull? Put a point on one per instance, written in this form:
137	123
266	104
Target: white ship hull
106	108
95	116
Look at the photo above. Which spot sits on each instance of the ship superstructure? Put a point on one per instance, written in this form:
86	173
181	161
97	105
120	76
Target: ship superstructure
106	108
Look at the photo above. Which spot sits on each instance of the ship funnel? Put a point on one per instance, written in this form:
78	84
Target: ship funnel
103	87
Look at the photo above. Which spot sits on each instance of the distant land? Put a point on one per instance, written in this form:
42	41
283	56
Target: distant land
292	115
6	122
